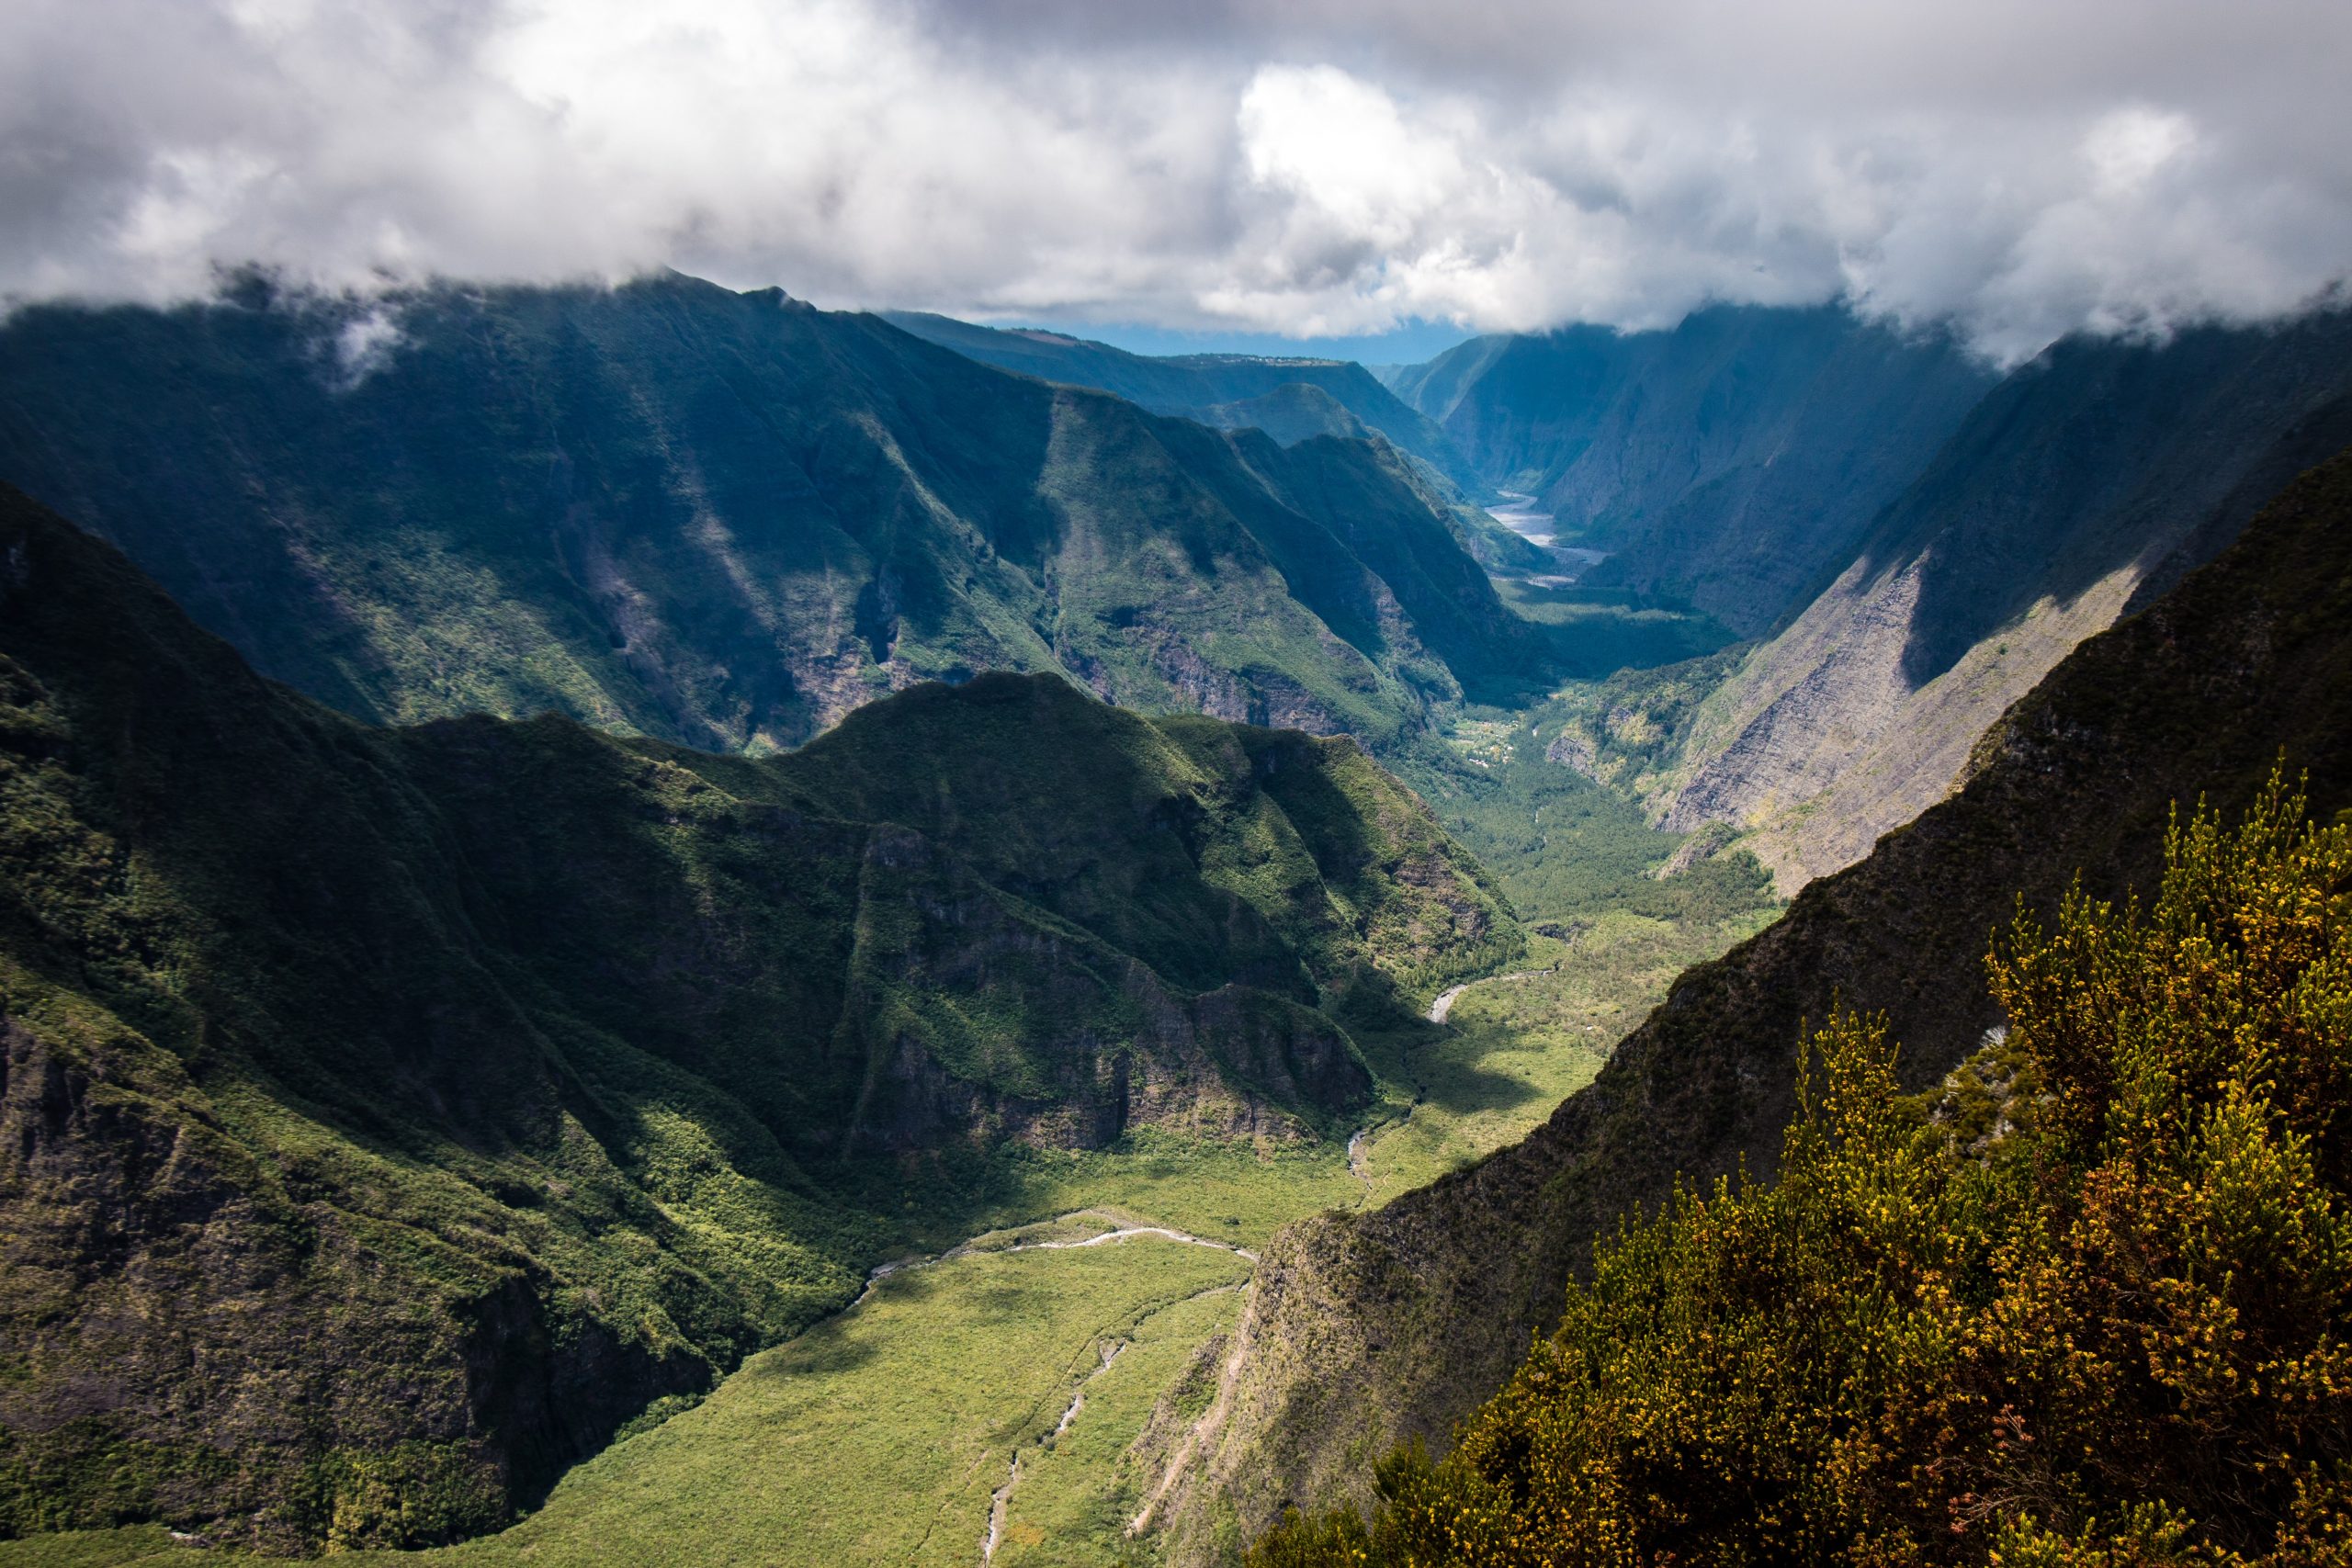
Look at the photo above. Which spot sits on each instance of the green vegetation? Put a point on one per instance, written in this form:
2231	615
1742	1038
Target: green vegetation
548	1076
881	1436
1565	847
121	1548
1370	1327
2078	489
392	1116
726	520
1628	731
1517	1046
1222	1190
1061	1515
2086	1304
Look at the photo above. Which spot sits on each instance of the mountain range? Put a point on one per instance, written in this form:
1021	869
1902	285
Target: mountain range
548	831
1291	398
1729	464
728	519
2079	488
391	1113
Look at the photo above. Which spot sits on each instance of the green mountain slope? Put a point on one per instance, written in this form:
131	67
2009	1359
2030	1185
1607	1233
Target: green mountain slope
1362	1330
1291	413
1223	390
389	1114
724	519
1725	464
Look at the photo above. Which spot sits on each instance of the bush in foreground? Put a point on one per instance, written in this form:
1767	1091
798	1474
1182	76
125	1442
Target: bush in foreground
2090	1303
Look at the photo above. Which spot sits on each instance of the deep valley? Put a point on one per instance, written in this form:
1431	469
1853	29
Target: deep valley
656	925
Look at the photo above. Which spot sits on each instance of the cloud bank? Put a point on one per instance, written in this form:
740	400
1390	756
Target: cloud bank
1301	166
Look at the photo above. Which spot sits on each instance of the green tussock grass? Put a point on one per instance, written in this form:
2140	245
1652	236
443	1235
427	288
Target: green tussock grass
1078	1494
881	1436
877	1437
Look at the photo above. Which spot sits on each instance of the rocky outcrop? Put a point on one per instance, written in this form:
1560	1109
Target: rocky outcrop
2082	487
1364	1330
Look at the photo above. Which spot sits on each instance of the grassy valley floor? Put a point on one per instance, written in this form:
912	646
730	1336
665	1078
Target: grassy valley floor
883	1435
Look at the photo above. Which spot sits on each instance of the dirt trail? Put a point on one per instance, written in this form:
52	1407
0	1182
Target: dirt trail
969	1249
1444	1003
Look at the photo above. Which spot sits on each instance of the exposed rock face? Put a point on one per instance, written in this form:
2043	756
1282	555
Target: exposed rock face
1829	746
1576	752
1364	1330
2083	486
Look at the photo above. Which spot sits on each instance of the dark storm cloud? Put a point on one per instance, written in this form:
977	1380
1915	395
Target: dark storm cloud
1307	166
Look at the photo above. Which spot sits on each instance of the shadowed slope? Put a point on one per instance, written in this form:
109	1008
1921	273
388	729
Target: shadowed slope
389	1114
1228	391
2085	484
723	519
1365	1329
1726	464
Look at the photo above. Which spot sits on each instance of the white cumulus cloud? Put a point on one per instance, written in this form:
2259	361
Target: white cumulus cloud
2018	169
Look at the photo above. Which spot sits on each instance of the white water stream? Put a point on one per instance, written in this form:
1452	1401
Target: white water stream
1537	528
1521	518
966	1249
1002	1498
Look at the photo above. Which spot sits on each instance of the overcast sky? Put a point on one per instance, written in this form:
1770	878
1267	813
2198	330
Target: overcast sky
2018	168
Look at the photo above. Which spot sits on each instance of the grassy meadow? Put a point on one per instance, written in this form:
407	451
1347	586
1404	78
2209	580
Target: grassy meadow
879	1436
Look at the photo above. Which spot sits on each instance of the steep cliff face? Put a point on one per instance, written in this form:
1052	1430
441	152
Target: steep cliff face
723	519
1364	1330
389	1114
1728	464
2087	483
